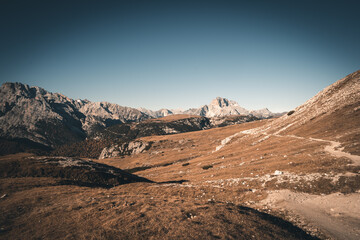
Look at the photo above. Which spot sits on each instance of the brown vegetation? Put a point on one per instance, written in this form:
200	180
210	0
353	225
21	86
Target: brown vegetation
201	182
32	206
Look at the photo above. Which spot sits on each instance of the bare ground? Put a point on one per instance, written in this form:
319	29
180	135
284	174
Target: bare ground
337	214
200	191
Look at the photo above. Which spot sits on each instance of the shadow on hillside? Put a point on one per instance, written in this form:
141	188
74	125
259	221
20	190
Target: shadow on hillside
277	221
176	182
68	171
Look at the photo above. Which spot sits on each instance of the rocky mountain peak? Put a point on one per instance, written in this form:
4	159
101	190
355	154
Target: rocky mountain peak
18	89
218	107
50	119
220	102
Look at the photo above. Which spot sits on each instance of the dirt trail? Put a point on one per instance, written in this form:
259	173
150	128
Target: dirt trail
333	148
337	215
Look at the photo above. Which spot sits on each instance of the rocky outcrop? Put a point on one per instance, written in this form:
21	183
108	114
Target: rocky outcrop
128	148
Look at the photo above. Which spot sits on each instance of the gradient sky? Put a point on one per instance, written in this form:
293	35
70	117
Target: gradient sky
180	54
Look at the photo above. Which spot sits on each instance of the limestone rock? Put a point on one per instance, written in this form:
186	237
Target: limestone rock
128	148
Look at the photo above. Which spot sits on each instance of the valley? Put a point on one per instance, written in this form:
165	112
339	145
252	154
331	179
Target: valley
183	176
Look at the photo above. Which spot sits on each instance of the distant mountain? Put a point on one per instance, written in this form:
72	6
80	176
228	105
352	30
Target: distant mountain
52	119
219	107
32	116
157	114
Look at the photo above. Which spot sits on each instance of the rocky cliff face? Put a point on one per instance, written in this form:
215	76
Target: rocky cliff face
221	107
106	114
53	119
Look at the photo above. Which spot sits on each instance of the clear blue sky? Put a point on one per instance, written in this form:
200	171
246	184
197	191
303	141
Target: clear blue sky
180	54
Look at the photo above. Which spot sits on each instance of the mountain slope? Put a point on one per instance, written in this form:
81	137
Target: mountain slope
332	114
53	119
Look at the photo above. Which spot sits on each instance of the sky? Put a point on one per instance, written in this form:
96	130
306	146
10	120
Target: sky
180	54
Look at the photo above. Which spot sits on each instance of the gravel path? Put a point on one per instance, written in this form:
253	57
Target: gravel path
337	215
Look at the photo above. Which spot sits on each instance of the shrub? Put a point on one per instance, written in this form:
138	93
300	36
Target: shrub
206	167
290	113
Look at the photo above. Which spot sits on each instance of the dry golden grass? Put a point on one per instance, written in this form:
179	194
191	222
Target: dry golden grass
201	180
132	211
199	193
191	157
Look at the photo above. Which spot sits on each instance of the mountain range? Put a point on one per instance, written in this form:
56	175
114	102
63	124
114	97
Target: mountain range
219	107
52	119
214	178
